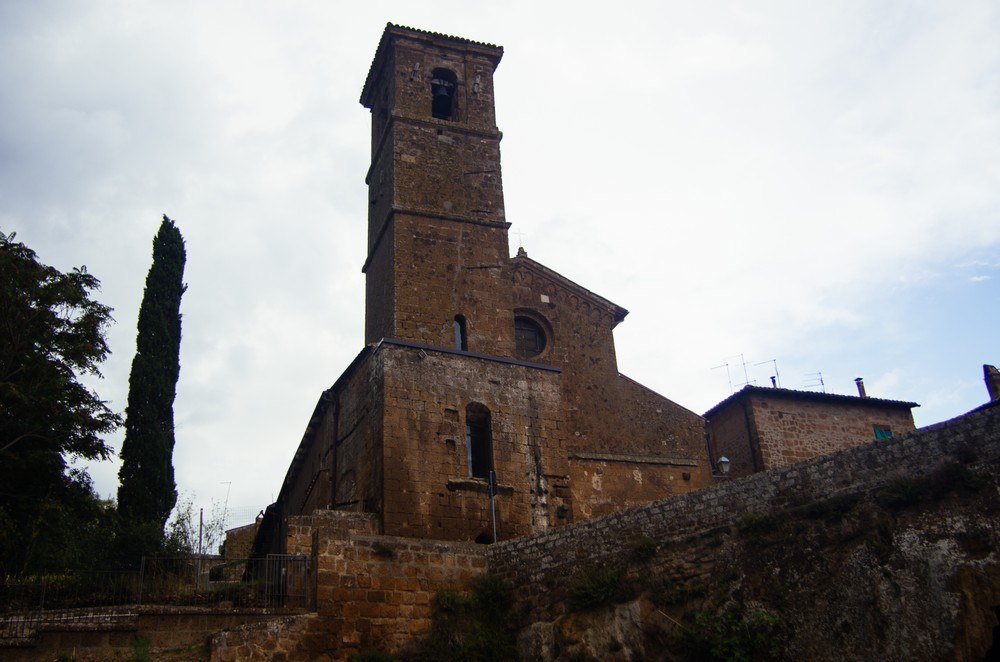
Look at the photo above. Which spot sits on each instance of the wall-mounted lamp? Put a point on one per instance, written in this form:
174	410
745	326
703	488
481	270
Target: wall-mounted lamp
723	464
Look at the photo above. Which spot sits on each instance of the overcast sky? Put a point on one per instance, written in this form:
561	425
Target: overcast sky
812	183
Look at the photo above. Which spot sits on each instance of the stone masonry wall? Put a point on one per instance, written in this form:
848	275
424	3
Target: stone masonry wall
790	431
730	435
437	235
180	633
446	268
657	441
357	459
540	565
659	450
377	592
583	346
373	592
428	489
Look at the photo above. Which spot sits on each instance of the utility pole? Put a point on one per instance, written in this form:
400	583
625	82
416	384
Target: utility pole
493	503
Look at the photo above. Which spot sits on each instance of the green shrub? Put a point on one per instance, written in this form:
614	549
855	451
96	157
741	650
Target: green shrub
755	526
372	656
595	586
669	592
949	477
714	532
732	637
492	595
833	509
903	492
449	601
474	627
643	549
140	649
955	477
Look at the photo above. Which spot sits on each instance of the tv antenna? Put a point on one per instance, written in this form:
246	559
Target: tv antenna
728	376
743	362
225	504
816	380
776	380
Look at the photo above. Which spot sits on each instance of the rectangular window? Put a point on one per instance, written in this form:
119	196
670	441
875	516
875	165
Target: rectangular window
882	433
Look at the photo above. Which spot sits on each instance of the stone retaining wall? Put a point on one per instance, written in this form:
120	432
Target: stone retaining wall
176	633
539	565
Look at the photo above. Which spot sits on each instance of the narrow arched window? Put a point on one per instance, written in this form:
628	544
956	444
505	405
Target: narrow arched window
478	440
461	334
443	88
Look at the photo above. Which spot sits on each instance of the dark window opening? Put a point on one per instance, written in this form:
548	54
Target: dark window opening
461	334
478	441
443	87
529	337
484	539
882	433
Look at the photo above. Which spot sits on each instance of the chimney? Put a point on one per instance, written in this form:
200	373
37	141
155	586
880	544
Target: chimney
992	377
774	382
861	387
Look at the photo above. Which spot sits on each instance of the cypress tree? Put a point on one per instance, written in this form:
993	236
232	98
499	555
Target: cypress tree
146	491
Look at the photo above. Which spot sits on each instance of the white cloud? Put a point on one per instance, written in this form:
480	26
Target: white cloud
786	181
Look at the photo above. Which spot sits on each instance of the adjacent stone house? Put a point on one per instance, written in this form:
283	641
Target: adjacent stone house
759	428
475	361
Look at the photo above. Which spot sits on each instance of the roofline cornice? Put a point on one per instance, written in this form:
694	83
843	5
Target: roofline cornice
811	396
524	262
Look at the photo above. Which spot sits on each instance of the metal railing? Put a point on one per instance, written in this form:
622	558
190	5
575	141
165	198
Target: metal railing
278	580
90	599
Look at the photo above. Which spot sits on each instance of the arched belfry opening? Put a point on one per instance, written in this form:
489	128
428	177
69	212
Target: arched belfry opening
444	84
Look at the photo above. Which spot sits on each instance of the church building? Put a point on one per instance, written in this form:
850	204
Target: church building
474	361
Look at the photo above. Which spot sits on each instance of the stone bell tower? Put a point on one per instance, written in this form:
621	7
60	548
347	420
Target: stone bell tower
438	256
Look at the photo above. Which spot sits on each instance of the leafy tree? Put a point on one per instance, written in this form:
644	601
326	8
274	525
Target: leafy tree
147	492
51	333
184	528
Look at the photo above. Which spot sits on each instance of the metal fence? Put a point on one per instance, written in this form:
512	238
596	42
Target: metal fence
87	599
278	580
